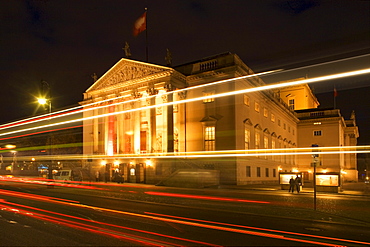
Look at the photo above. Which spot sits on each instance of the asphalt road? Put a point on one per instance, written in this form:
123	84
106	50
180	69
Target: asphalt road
34	214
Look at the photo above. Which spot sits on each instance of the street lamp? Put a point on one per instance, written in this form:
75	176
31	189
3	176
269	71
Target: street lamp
45	100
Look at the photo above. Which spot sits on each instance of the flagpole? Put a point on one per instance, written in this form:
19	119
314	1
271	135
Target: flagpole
146	35
335	96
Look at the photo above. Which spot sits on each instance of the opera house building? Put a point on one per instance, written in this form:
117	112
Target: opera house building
204	124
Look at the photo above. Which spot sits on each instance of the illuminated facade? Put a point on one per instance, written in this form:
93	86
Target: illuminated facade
141	118
327	128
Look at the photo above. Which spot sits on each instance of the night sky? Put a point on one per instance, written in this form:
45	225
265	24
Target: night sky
64	42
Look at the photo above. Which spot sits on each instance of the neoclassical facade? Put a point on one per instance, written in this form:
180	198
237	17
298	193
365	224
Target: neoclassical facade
151	123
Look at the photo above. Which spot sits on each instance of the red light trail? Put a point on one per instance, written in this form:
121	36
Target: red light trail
202	197
242	229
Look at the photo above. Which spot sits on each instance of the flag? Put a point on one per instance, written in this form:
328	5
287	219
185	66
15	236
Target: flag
335	92
140	25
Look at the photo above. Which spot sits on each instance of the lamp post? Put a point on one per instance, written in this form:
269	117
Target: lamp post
14	152
45	100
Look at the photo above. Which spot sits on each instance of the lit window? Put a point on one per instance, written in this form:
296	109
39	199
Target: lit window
273	146
247	138
246	100
132	171
208	100
272	118
257	141
209	138
257	107
317	133
291	104
265	142
265	112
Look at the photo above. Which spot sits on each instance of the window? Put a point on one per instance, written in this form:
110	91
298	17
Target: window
265	112
291	104
248	171
317	133
132	171
209	93
274	173
247	138
257	141
284	126
209	138
289	129
272	117
273	146
256	107
279	124
246	100
265	142
258	171
267	172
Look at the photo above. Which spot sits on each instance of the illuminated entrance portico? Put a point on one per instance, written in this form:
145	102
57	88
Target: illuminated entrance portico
121	129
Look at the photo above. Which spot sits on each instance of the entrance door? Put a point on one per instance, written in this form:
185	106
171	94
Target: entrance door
143	141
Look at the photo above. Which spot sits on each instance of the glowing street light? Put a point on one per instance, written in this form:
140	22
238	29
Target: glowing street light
42	101
47	102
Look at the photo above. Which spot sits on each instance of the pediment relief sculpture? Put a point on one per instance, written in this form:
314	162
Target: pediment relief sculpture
126	72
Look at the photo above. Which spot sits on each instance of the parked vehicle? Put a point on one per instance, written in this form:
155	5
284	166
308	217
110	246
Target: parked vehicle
66	175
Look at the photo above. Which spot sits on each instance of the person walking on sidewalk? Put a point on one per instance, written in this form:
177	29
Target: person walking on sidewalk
291	184
298	183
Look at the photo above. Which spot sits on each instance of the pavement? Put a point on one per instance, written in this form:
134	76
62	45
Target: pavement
354	188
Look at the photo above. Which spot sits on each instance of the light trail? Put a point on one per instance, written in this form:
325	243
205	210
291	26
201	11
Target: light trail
77	109
203	197
216	154
248	90
86	227
208	226
40	132
262	229
255	231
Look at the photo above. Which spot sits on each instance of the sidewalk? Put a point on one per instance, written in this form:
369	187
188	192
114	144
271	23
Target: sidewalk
359	188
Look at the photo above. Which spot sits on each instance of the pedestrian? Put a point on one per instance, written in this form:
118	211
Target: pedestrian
291	184
97	176
298	183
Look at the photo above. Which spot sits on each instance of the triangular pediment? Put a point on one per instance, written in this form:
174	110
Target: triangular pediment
258	127
247	121
128	72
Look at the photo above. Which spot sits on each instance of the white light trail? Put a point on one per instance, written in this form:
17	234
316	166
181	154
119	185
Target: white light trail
218	154
78	109
248	90
57	114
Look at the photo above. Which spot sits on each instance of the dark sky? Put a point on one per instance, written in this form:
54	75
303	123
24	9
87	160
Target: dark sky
65	41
